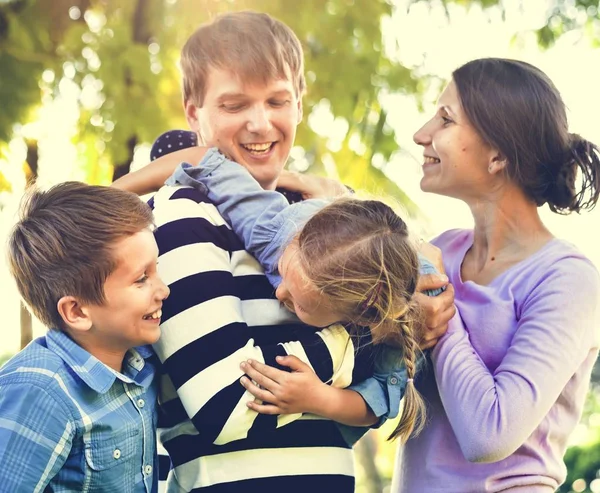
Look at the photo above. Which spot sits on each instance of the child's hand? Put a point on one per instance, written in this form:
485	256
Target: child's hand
300	391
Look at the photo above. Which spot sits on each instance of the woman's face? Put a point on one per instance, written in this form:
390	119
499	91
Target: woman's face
456	159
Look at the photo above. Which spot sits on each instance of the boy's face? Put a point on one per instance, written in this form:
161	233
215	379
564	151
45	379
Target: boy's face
134	294
254	123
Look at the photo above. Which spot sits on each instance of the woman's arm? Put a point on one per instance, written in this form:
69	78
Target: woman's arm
153	176
493	413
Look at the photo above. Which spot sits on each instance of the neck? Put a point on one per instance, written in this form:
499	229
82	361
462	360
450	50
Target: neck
111	357
506	225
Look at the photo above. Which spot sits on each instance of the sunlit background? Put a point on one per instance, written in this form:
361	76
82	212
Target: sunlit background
429	39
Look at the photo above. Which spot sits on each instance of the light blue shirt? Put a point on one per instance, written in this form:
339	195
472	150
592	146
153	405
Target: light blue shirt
266	222
69	423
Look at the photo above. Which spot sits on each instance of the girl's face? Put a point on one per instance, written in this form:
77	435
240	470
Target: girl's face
456	159
299	295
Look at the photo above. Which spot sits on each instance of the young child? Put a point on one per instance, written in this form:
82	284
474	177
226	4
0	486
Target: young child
78	406
348	261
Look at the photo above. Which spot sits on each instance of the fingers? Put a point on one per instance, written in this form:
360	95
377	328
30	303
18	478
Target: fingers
293	363
258	376
428	344
256	391
432	281
265	408
263	370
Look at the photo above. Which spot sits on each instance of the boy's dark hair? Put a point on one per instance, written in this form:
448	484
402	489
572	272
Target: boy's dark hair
62	243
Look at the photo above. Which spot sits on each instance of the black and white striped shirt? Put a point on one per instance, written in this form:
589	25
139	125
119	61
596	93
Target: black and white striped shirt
222	311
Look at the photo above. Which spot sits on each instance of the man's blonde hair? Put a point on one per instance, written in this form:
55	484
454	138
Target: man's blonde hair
255	46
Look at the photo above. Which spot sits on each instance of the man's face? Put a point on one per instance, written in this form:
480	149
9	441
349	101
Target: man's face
254	123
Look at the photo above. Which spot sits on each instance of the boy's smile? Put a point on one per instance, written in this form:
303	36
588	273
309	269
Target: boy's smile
134	294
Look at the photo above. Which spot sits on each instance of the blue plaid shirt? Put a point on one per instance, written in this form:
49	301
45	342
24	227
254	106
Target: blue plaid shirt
69	423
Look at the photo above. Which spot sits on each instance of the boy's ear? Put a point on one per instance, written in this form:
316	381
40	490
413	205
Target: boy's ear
75	315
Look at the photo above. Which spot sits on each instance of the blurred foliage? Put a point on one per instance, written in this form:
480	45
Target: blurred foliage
122	56
126	54
583	461
561	17
5	357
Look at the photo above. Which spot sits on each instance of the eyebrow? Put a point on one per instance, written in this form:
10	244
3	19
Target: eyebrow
240	95
448	110
231	95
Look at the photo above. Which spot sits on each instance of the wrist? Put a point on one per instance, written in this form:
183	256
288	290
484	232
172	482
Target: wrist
323	398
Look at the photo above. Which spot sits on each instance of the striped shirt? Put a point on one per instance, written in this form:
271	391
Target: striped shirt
69	423
222	311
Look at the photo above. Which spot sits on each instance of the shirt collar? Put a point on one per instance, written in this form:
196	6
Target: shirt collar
91	370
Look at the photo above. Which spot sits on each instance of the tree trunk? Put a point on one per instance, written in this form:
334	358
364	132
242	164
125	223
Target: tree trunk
122	168
366	449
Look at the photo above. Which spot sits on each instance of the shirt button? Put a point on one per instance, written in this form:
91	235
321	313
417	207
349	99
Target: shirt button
147	470
393	380
117	454
141	403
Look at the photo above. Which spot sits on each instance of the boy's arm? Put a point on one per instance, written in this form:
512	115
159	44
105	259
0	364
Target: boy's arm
35	437
153	176
205	336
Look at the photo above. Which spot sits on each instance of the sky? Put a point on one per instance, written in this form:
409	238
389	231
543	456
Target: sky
421	36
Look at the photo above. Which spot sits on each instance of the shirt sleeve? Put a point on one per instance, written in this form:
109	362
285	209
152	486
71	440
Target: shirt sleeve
205	336
263	219
35	437
492	413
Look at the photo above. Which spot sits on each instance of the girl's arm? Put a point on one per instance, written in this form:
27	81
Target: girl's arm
263	219
301	391
153	176
494	412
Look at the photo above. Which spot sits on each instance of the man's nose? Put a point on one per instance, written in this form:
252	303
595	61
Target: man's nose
259	120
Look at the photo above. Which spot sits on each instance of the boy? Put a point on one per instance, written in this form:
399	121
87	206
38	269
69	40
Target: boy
78	406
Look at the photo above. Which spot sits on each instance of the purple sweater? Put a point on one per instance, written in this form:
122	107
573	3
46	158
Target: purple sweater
512	374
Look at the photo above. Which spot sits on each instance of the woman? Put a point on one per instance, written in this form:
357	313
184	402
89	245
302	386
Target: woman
511	374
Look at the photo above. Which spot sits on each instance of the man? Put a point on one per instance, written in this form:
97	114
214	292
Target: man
243	83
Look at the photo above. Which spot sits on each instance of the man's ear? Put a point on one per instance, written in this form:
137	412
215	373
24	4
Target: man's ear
191	115
75	315
497	163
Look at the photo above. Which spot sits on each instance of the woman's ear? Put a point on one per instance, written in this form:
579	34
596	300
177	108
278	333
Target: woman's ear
497	163
75	315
